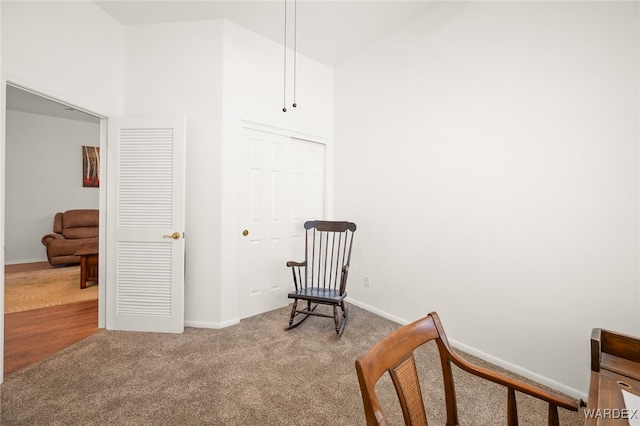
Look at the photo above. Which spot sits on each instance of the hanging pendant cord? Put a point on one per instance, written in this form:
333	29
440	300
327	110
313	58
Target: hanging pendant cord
284	71
295	48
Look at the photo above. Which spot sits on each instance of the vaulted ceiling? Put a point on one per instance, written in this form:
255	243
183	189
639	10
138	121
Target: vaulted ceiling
329	31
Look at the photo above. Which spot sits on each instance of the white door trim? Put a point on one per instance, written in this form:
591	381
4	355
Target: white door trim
282	132
7	78
3	112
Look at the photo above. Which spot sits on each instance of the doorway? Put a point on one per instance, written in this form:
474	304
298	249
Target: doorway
43	175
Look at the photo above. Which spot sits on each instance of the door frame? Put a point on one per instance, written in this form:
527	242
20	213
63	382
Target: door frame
48	93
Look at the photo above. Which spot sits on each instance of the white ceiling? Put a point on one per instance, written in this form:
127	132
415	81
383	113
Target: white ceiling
329	31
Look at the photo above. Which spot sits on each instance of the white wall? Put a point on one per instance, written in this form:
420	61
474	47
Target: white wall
69	50
253	85
43	176
488	152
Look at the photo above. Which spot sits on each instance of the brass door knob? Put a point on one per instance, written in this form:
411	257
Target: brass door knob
245	232
175	236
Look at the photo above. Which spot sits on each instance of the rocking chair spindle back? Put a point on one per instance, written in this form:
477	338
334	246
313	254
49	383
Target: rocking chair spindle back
322	277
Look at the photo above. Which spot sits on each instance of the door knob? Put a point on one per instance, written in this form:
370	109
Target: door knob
175	236
245	232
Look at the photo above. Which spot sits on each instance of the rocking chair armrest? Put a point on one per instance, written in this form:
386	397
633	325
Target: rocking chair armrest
343	280
296	271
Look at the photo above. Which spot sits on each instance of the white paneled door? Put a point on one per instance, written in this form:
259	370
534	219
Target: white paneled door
281	186
145	219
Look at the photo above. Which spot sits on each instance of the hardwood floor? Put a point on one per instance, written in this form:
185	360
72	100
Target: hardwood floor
32	336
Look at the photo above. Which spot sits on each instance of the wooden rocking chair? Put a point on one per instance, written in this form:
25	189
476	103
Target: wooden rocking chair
322	278
394	354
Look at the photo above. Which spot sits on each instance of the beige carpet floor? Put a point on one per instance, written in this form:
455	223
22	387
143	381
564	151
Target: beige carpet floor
45	288
250	374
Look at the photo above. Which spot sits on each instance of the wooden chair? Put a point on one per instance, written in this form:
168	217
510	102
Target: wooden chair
394	354
322	278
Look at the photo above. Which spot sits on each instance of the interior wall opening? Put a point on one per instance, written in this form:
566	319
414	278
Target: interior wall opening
47	148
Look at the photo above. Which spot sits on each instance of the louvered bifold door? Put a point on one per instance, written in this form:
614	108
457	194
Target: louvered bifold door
145	254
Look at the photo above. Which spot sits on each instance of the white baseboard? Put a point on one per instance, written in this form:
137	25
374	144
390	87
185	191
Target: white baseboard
214	325
559	387
377	311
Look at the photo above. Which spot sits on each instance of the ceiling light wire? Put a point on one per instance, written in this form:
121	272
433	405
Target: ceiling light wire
284	89
295	48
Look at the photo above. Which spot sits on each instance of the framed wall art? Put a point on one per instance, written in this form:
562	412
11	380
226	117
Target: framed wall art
91	166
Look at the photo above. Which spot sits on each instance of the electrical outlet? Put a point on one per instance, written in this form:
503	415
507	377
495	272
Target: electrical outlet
367	281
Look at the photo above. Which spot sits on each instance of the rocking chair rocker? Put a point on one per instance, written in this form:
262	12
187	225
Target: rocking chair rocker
322	278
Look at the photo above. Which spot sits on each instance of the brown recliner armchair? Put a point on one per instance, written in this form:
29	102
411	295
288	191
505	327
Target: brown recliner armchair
71	229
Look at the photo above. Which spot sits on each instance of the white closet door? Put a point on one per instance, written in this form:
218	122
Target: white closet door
281	186
145	222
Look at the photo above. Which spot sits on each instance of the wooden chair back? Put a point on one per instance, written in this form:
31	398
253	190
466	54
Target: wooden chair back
327	255
321	279
394	354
